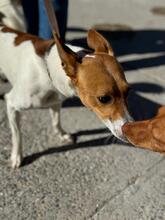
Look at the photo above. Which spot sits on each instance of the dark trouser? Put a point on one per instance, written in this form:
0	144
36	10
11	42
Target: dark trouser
37	21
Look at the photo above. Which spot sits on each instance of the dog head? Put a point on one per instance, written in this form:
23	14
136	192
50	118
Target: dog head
99	81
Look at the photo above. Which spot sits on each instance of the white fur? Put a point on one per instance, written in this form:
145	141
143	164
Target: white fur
60	81
3	3
14	16
115	127
90	55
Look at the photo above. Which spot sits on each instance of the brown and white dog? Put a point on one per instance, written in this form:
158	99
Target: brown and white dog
42	73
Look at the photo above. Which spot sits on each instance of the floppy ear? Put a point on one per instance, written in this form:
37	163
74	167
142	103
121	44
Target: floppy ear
97	42
69	59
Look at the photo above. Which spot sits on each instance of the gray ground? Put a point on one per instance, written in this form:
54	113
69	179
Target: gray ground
98	178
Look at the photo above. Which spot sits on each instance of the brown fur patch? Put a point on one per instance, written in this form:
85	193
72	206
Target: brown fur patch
41	46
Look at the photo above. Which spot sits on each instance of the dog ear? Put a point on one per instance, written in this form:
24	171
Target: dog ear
69	59
97	42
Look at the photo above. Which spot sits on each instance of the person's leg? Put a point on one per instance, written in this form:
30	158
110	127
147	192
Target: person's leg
30	8
44	27
60	7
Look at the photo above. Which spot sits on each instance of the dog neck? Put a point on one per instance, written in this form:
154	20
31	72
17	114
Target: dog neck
60	80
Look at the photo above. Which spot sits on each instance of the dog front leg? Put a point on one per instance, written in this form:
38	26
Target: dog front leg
55	116
16	152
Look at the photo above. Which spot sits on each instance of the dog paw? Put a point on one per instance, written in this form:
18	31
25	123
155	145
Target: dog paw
15	162
66	138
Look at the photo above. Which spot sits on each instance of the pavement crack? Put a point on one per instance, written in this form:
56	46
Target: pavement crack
133	182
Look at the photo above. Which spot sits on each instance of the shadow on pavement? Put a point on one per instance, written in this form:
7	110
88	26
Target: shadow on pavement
98	142
140	107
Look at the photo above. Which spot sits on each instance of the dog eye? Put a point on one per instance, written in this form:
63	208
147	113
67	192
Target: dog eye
105	99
